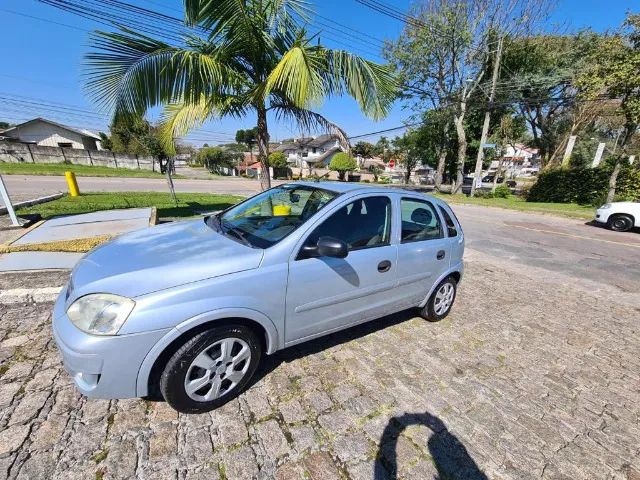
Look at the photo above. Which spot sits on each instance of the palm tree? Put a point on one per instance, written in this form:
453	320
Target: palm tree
255	56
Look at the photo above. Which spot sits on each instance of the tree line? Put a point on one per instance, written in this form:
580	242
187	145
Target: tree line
484	71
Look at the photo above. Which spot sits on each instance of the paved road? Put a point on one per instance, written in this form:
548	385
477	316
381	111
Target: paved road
31	186
586	254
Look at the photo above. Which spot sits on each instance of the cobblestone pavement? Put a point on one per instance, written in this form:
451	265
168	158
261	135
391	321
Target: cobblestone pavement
529	377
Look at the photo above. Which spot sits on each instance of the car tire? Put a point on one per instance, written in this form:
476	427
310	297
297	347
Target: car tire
210	368
441	300
620	223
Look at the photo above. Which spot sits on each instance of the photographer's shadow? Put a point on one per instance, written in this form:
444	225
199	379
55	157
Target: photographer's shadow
450	457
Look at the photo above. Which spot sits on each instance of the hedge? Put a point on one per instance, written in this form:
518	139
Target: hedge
586	186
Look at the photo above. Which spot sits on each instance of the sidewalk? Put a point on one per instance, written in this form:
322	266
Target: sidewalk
65	232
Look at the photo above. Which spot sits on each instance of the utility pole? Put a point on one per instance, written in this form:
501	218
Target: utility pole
477	181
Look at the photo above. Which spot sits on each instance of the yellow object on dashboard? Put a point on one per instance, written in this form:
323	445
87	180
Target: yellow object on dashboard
281	210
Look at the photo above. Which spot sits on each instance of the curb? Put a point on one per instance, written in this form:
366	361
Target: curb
35	201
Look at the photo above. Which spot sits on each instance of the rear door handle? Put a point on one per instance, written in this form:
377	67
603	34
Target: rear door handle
440	255
384	266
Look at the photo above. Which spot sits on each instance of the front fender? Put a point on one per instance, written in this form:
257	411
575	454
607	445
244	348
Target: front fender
272	339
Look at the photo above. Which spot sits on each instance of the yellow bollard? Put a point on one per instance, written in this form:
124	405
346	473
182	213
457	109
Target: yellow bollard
74	191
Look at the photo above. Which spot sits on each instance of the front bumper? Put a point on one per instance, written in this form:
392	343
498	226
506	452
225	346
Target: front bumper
602	215
101	366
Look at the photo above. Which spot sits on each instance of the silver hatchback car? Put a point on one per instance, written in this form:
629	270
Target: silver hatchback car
186	310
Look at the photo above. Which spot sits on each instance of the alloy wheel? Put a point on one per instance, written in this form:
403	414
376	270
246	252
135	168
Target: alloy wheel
444	298
217	369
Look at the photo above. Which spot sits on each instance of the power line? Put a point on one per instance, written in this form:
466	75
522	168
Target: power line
64	110
399	15
402	127
44	20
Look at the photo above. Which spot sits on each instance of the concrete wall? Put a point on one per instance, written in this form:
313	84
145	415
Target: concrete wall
20	152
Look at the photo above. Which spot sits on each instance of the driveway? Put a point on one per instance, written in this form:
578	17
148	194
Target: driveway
535	374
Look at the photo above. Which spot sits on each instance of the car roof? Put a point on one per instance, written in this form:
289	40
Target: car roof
343	187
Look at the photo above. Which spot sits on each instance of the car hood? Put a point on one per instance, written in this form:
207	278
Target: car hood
160	257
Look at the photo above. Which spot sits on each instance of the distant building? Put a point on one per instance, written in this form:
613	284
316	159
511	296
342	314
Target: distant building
517	160
310	151
45	133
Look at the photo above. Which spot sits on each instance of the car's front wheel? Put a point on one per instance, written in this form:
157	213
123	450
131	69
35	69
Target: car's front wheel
439	304
210	369
620	223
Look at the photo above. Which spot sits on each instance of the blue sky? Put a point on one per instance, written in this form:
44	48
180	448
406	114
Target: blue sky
42	60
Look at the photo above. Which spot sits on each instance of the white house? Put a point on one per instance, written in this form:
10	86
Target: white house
314	151
46	133
517	160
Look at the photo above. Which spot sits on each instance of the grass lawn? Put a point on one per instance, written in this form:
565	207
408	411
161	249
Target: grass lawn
189	204
571	210
79	170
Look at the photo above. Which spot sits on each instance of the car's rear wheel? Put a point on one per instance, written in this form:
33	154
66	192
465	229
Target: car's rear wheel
620	223
211	368
439	304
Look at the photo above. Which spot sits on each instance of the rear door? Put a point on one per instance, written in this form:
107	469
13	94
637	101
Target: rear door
424	251
326	294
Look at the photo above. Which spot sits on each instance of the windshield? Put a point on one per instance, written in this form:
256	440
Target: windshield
267	218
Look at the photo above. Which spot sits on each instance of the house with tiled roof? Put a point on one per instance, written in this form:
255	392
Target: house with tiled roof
310	151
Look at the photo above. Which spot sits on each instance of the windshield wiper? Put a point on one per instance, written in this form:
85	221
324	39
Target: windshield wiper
239	234
213	221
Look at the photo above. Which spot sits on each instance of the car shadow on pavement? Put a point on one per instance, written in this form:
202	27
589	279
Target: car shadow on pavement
270	362
449	455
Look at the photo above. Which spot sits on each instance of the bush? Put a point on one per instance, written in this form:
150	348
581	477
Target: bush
483	194
586	186
502	191
342	163
384	180
277	160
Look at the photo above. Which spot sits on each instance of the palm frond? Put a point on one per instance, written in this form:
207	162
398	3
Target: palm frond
130	72
372	85
299	76
179	118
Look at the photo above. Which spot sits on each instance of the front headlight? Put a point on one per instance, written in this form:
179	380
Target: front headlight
100	313
606	205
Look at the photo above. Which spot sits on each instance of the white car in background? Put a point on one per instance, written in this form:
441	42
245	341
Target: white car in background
619	216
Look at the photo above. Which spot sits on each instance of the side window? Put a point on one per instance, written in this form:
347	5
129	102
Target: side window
419	221
364	223
451	226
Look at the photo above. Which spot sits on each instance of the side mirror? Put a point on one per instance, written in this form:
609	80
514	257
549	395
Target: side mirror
331	247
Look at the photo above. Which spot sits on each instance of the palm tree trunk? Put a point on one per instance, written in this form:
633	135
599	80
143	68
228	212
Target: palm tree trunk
263	148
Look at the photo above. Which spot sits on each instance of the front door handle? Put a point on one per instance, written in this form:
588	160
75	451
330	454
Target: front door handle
440	255
384	266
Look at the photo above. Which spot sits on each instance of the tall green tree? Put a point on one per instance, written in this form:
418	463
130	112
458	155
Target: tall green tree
539	80
256	58
614	70
410	151
363	150
249	138
443	54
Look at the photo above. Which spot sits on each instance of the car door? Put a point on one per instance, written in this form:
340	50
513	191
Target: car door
326	294
423	252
